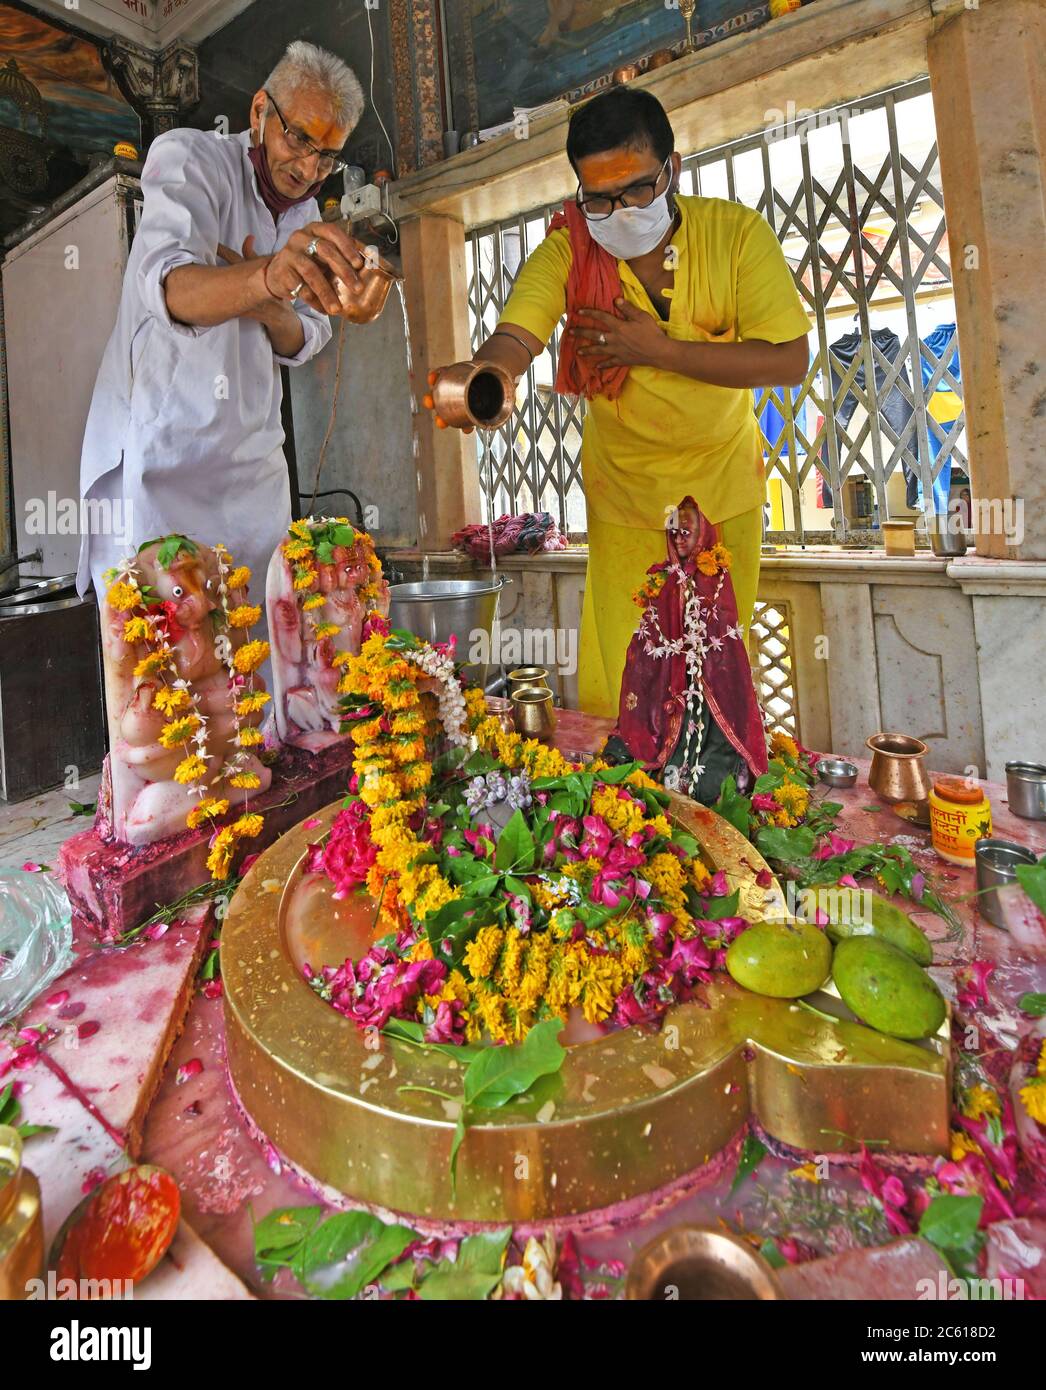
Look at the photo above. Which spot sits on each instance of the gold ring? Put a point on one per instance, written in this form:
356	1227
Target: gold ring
602	340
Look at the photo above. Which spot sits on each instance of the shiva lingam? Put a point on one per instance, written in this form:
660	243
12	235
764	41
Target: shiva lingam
627	1115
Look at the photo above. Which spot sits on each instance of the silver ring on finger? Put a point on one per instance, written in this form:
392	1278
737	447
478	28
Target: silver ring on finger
312	247
297	289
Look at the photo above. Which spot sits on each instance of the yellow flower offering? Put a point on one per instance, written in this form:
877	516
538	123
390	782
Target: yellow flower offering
246	615
250	656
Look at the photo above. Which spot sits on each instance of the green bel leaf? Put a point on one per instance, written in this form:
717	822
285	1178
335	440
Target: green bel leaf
516	846
1032	878
787	846
950	1222
500	1074
753	1151
474	1275
349	1251
1033	1004
733	807
771	1254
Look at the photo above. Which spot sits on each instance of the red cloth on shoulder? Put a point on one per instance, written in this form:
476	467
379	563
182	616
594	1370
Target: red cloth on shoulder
593	283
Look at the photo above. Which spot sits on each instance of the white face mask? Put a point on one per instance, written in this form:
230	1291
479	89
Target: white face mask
631	232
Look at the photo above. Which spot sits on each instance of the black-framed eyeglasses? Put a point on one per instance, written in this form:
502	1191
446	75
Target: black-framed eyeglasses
328	161
639	195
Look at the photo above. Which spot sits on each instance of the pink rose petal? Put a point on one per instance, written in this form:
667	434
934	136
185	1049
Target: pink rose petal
30	868
157	930
213	989
87	1030
93	1179
56	1000
188	1070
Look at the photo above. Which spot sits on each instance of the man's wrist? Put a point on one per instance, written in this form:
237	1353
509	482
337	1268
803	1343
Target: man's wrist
262	293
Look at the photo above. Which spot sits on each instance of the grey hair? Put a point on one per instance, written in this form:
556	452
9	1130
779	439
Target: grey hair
305	65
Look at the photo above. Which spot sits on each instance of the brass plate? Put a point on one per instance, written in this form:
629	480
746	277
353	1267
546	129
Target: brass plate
629	1113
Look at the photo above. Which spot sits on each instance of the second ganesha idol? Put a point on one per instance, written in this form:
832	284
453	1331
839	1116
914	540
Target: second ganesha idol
323	590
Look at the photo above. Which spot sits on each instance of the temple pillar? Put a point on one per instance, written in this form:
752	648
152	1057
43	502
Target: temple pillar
436	286
991	135
161	87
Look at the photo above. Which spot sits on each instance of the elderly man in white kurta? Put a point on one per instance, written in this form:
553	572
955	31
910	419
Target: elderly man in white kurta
230	274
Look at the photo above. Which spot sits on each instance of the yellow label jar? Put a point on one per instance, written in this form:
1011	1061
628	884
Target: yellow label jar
960	815
21	1221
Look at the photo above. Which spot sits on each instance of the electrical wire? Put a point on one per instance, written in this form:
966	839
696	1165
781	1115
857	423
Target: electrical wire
374	104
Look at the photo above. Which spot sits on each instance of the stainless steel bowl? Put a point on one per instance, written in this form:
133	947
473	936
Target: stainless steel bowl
997	862
437	609
945	540
1026	789
837	772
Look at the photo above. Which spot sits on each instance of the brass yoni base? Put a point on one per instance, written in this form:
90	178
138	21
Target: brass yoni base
629	1113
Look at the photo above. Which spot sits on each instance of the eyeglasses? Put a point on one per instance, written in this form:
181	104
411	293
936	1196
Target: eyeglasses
327	161
639	195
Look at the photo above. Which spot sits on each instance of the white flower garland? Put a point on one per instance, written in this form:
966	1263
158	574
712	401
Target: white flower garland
452	711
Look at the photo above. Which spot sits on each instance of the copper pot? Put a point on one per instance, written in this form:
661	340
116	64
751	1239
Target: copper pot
624	74
474	394
364	301
700	1265
897	773
660	59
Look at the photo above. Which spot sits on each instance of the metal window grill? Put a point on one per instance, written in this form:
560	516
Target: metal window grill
876	430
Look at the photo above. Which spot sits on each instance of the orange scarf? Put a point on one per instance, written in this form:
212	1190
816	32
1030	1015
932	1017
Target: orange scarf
593	283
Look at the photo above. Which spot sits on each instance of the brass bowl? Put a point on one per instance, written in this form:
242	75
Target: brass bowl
897	773
535	715
698	1265
532	677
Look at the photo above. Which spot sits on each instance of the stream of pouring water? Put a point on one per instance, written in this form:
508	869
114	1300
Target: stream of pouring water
488	455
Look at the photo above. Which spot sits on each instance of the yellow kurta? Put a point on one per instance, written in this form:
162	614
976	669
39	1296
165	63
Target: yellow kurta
667	435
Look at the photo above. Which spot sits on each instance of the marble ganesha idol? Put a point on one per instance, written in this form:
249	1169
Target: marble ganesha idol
323	588
183	696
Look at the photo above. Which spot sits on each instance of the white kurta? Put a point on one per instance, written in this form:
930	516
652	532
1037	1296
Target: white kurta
184	425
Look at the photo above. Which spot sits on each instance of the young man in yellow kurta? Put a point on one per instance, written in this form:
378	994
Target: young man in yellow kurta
708	311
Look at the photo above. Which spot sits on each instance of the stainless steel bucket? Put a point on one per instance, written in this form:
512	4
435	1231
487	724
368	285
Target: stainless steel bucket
436	609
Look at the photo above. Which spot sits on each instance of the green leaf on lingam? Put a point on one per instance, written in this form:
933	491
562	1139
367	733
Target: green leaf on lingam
500	1074
341	534
753	1151
734	807
325	553
476	1272
1032	1004
516	846
786	845
279	1238
170	547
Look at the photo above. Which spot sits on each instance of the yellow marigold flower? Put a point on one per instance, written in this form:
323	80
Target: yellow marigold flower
481	954
780	743
153	663
246	781
435	895
248	826
220	857
707	563
249	738
297	549
168	700
639	778
246	615
190	769
208	809
251	704
421	950
179	730
304	579
808	1171
417	776
136	630
980	1101
721	555
339	658
122	597
238	578
699	875
301	529
250	656
1033	1098
962	1144
313	601
323	630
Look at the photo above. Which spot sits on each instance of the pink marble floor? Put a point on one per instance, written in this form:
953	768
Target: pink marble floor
194	1130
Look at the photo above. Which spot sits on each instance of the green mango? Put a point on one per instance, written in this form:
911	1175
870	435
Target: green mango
781	959
843	906
886	989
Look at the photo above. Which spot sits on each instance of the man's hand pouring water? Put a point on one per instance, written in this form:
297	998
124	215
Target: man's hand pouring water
509	351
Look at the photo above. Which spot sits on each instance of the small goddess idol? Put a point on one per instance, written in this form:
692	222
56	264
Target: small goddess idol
688	709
